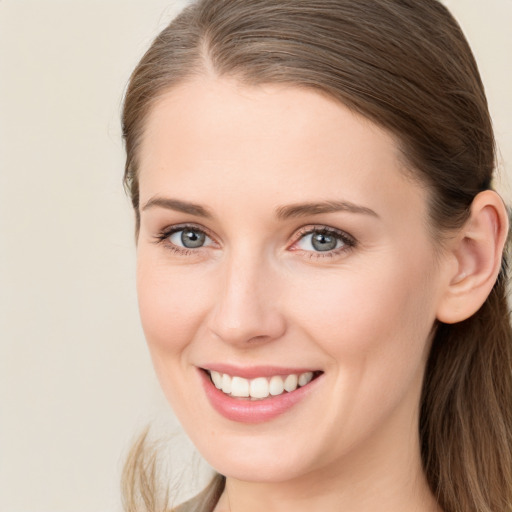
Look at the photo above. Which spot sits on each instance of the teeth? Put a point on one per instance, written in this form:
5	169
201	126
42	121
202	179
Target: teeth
290	383
276	385
226	384
305	378
239	387
216	379
261	387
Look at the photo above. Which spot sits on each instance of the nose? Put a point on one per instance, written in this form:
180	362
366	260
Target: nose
247	309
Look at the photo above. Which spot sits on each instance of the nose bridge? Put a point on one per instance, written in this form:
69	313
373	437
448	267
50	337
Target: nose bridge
247	309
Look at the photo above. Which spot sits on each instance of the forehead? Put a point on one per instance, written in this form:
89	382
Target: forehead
216	135
224	113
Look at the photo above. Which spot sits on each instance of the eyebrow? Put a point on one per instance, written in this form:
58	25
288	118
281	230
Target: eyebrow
282	212
303	210
178	206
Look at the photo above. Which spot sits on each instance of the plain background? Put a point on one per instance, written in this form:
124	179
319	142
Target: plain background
76	383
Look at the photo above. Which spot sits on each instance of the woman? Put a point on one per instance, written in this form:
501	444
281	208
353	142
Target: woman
320	256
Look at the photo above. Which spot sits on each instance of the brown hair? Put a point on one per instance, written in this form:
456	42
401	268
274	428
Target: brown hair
405	65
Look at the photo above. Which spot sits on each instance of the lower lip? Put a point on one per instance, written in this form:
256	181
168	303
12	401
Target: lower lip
244	410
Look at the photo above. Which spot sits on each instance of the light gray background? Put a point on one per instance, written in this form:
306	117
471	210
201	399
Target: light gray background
76	383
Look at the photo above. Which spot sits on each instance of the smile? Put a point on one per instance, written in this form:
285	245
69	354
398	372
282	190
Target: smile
259	388
261	394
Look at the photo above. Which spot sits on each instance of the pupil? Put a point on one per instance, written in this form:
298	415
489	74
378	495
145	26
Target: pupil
323	242
192	239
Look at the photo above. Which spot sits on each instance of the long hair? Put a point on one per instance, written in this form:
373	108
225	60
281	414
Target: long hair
406	66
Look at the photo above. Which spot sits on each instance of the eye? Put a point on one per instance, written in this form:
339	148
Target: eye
189	238
183	239
323	240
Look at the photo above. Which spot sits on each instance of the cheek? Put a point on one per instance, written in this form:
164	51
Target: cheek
375	315
170	306
374	329
171	310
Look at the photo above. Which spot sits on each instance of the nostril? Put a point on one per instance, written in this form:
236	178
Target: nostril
259	338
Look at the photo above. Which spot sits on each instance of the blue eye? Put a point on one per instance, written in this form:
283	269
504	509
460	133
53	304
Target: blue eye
187	237
324	240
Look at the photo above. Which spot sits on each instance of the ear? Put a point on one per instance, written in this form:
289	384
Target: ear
477	252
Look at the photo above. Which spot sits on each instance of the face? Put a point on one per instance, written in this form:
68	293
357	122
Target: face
285	258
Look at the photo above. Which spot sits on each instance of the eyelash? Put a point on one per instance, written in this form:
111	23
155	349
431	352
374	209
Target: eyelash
164	235
348	241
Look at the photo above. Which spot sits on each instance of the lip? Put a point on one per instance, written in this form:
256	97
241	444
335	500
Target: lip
254	411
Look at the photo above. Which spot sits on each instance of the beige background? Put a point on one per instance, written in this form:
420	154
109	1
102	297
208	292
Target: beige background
76	382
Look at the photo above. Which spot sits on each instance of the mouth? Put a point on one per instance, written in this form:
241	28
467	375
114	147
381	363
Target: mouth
260	388
257	394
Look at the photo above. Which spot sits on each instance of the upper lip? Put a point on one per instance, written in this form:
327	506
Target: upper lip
252	372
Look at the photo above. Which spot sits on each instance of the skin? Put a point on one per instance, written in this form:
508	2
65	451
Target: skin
259	294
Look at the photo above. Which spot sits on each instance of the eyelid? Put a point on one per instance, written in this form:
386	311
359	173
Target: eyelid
348	240
162	237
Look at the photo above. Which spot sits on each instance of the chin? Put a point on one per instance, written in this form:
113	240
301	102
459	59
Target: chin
259	456
262	468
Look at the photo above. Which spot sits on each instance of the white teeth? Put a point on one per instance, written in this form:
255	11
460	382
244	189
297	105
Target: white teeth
305	378
226	384
217	379
239	387
276	385
290	383
260	387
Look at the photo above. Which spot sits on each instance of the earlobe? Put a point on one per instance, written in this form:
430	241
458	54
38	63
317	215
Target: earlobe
477	251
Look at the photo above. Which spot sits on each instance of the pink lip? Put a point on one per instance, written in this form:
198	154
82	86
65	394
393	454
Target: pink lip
254	411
